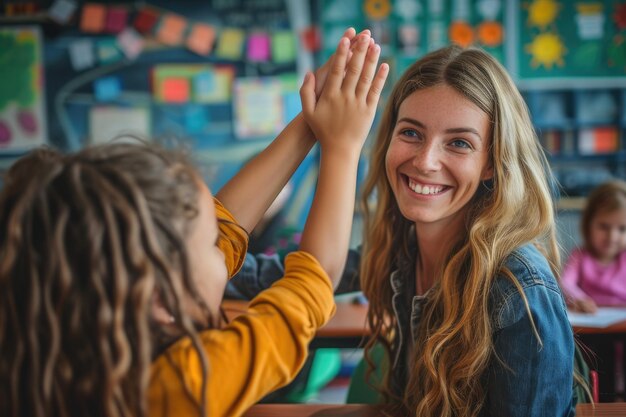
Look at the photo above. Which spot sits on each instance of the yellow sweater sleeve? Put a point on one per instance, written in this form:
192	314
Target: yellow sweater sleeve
257	353
233	239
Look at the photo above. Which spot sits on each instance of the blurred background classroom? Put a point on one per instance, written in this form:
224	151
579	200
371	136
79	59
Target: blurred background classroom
221	78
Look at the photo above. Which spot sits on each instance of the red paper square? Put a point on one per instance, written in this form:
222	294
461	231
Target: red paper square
93	18
175	90
145	20
311	39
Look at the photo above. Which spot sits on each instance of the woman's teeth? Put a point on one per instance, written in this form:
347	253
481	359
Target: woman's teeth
426	189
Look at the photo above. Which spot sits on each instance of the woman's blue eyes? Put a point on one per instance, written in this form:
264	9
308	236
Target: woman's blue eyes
456	143
461	144
409	132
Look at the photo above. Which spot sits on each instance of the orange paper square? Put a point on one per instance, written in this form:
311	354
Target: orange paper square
605	139
201	39
93	18
175	90
172	29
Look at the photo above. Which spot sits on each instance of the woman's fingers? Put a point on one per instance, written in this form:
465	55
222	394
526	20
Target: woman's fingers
354	67
369	69
338	65
378	84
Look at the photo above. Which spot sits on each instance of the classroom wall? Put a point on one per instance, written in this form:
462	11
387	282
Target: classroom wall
221	77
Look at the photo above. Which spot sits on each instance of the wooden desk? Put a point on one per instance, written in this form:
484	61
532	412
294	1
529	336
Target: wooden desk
312	410
612	329
346	329
360	410
601	410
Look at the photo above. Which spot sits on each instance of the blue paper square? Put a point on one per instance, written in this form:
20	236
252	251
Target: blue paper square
107	88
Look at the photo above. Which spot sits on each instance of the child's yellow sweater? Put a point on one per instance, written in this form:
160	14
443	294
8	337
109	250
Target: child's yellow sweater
257	352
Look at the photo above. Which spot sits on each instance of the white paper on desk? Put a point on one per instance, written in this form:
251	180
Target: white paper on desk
604	317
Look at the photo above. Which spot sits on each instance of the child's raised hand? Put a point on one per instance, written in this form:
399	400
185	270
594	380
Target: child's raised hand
343	114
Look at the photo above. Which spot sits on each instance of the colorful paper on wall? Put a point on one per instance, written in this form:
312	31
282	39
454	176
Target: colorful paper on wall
283	47
93	18
258	106
109	122
22	115
82	54
108	51
145	20
598	140
172	29
195	118
175	90
201	38
230	44
130	42
107	88
115	19
207	83
311	39
259	47
62	11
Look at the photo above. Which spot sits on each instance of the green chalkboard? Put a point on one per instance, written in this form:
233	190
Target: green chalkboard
571	39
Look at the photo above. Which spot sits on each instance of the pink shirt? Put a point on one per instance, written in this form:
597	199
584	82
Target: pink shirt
584	277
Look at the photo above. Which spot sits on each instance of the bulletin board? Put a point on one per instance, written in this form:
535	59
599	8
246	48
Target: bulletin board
22	116
570	44
89	70
407	29
181	73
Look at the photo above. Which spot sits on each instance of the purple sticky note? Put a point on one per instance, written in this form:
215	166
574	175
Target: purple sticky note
259	47
116	19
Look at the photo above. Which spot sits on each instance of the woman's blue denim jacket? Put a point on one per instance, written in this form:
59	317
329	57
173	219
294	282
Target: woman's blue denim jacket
537	379
532	379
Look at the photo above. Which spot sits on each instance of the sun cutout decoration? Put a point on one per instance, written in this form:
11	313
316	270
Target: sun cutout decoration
546	49
542	12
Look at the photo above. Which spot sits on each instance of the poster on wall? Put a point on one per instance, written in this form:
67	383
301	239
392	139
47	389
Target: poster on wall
22	116
566	44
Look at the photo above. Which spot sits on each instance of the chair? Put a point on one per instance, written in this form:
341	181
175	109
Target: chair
581	395
363	391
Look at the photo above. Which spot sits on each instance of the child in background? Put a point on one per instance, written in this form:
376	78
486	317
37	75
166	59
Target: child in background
114	260
595	275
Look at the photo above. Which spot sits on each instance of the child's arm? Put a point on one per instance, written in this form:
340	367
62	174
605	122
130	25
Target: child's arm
341	119
251	191
575	297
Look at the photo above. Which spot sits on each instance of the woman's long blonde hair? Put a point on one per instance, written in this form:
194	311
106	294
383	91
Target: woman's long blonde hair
86	242
515	208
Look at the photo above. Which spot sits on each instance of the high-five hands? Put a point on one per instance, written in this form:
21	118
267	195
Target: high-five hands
343	114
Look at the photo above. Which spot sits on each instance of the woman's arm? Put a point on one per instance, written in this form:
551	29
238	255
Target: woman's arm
259	272
253	189
341	120
528	376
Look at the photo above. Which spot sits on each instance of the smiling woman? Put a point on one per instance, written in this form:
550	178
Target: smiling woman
462	293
